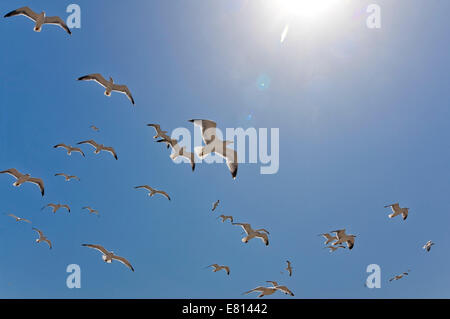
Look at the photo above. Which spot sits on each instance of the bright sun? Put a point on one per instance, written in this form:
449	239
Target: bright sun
308	9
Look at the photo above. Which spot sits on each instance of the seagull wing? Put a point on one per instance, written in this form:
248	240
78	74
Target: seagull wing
25	11
263	237
66	207
111	150
263	230
97	77
57	21
41	234
62	145
97	247
227	269
123	89
123	261
247	228
230	156
77	149
163	193
90	142
190	156
38	182
48	242
208	129
13	172
146	187
14	216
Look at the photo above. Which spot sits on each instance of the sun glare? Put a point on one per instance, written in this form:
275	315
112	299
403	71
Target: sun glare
307	9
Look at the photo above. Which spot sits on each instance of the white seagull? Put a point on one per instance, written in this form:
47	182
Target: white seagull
108	85
428	245
251	233
153	191
265	291
178	150
91	210
108	256
329	238
69	148
19	219
344	238
68	177
42	238
215	205
289	267
39	18
214	144
283	289
400	276
23	178
397	210
56	207
218	268
94	128
100	147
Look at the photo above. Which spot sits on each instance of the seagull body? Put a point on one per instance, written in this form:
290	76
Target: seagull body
218	268
56	207
159	132
100	147
214	144
39	18
91	210
334	248
67	177
215	205
153	191
108	85
251	233
428	245
42	238
283	289
397	210
328	238
69	148
23	178
109	256
178	150
399	276
224	218
344	238
289	267
19	219
265	291
94	128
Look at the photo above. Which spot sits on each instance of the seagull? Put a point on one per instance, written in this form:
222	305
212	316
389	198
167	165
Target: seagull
215	205
19	219
289	268
42	238
344	238
23	178
283	289
69	148
153	191
56	207
334	248
159	132
399	276
68	177
428	245
108	85
216	145
265	291
100	147
396	210
178	150
91	210
218	268
108	256
39	18
94	128
258	233
224	218
329	238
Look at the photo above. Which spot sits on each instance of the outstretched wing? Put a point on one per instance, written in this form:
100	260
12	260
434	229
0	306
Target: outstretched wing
123	89
208	129
163	193
13	172
230	156
247	228
146	187
123	261
111	150
97	77
57	21
39	232
90	142
62	145
25	11
38	182
96	247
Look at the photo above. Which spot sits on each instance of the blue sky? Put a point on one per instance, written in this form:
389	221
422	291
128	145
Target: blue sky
363	117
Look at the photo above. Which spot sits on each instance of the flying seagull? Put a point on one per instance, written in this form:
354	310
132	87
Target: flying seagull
91	210
39	18
100	147
94	128
400	276
218	268
56	207
23	178
397	210
68	177
283	289
251	233
328	238
178	150
214	144
159	132
19	219
108	85
153	191
108	256
42	238
344	238
215	205
69	148
334	248
265	291
224	218
428	245
289	267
